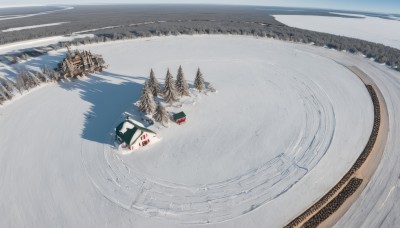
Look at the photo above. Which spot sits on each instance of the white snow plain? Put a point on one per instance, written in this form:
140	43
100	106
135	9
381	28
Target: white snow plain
384	31
286	124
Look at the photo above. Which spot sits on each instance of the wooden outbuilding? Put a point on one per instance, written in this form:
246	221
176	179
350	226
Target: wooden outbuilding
179	118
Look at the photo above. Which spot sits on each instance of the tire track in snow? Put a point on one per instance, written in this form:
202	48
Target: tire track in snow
228	199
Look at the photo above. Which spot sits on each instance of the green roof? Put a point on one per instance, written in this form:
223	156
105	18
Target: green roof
179	115
129	133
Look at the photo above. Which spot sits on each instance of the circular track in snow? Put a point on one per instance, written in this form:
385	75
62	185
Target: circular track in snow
213	202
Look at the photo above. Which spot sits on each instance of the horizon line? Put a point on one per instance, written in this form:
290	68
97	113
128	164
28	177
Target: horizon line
205	4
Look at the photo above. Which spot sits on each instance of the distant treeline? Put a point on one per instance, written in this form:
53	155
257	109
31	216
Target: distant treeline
379	52
128	22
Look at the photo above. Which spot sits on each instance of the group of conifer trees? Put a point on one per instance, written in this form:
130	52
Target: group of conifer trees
26	80
172	91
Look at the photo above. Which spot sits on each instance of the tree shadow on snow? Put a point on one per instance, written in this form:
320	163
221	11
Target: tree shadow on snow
108	100
33	64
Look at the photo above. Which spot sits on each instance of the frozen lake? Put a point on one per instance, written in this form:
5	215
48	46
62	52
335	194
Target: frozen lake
368	28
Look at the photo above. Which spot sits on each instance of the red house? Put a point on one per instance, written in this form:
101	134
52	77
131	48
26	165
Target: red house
179	117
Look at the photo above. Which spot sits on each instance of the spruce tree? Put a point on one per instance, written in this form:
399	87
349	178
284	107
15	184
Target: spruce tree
33	81
56	75
5	92
7	84
199	81
42	78
146	102
20	82
170	95
145	88
3	97
46	72
181	84
153	84
161	115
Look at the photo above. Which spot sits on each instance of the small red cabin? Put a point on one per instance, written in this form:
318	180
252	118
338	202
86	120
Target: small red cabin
179	117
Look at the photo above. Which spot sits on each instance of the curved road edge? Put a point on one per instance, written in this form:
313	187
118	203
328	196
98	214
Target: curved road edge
316	215
367	170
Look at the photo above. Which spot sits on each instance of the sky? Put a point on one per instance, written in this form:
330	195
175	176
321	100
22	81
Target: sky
384	6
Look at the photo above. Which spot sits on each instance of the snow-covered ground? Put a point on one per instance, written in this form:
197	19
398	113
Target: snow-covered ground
32	27
372	29
280	130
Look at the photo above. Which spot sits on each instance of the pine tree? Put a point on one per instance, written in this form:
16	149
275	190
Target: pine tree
181	84
56	75
2	97
42	77
6	94
146	103
199	81
153	84
170	95
46	70
145	88
51	74
20	82
9	85
33	81
161	115
36	78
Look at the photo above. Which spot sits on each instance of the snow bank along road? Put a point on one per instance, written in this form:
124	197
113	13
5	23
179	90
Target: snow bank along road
377	205
288	129
335	203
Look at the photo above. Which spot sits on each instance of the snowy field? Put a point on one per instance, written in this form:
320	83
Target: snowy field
277	136
384	31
